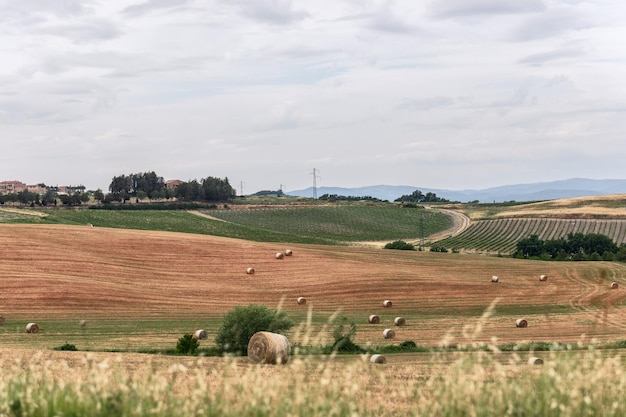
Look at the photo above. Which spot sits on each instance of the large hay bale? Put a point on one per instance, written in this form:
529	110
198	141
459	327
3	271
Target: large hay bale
201	334
279	255
378	359
1	320
250	271
614	285
521	323
543	277
495	279
301	301
389	334
82	323
32	328
288	252
267	347
387	303
399	321
373	319
535	361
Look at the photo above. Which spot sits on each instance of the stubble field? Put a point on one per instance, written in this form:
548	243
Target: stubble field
139	290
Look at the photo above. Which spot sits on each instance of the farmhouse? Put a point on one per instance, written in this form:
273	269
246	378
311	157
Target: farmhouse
8	187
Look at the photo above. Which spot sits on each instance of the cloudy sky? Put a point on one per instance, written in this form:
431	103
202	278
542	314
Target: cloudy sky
455	94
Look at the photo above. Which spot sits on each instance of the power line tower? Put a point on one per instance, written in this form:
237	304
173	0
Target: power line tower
315	177
241	188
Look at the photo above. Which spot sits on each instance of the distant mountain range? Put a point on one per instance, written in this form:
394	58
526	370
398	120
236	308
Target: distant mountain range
575	187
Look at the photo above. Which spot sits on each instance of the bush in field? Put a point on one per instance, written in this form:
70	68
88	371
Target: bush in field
343	339
400	245
241	323
187	345
66	346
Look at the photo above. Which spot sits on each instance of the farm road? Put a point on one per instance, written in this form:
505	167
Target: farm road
460	223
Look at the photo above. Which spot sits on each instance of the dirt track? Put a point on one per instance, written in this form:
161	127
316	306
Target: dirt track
66	272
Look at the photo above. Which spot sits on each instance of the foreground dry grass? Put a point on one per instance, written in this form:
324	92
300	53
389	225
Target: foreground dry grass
62	273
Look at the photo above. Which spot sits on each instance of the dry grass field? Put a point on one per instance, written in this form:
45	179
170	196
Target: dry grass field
139	289
604	206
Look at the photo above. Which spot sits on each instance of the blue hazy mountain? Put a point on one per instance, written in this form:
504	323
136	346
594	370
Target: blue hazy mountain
574	187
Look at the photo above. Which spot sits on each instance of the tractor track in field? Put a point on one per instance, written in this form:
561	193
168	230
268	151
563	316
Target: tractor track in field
580	302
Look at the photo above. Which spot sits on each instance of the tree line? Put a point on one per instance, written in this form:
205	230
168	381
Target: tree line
139	186
576	247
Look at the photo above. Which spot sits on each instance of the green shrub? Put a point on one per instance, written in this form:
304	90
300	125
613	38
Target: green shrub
400	245
66	346
241	323
187	345
342	337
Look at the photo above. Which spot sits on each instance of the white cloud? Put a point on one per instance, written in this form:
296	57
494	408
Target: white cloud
449	94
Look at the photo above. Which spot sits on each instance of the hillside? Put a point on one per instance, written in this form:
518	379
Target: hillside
552	190
140	289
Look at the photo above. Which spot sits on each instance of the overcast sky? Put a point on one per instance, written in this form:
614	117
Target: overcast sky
453	94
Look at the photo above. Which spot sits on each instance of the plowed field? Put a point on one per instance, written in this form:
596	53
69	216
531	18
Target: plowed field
144	289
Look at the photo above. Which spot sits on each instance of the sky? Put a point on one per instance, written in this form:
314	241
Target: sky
446	94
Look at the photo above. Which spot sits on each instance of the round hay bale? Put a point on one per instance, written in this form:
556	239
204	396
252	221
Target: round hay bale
373	319
387	303
288	252
614	285
1	320
495	279
279	255
82	323
378	359
521	323
201	334
32	328
535	361
389	334
267	347
250	271
543	278
301	301
399	321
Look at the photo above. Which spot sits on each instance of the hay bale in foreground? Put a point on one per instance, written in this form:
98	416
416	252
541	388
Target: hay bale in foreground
614	285
399	321
373	319
250	271
521	323
495	279
389	334
32	328
288	252
267	347
543	278
535	361
378	359
279	255
387	303
301	301
201	334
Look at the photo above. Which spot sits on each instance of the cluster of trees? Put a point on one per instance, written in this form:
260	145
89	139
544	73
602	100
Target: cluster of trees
140	185
149	185
576	246
50	198
418	197
210	189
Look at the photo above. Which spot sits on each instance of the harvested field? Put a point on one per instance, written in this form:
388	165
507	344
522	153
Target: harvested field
145	289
